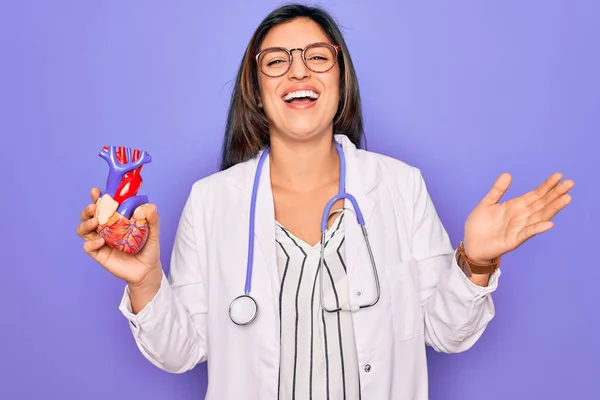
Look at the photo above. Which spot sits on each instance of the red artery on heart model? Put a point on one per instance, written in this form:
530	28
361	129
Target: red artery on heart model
131	181
121	225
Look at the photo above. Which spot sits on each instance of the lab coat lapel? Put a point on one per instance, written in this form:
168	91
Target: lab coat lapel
359	180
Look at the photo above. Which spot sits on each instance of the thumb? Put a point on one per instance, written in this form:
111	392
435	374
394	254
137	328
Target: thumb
150	213
498	189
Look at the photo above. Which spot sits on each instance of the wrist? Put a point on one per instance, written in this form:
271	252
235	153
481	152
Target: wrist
149	283
143	292
473	256
473	267
478	261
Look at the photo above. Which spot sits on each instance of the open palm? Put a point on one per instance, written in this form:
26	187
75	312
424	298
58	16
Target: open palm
493	228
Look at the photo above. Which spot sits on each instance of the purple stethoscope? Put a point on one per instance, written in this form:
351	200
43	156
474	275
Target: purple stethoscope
243	310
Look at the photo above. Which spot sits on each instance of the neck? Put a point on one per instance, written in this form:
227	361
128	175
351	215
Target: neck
304	166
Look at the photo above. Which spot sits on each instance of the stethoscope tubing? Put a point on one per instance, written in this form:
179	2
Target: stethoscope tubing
342	194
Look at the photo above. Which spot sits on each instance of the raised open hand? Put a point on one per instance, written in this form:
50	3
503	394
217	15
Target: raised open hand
493	228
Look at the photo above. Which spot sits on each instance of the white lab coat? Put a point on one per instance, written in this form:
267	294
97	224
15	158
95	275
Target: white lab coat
425	297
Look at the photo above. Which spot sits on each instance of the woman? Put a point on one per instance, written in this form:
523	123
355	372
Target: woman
297	96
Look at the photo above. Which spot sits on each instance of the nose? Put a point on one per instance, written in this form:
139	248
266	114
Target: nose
298	69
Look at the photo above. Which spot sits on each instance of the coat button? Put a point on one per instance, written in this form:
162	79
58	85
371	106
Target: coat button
367	367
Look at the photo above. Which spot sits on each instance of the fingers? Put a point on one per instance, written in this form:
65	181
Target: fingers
87	229
534	229
555	200
556	192
543	189
88	212
93	246
88	221
549	211
93	241
498	189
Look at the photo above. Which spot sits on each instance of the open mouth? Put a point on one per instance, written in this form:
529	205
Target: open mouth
301	97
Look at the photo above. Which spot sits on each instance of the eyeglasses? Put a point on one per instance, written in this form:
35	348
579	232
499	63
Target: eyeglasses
317	57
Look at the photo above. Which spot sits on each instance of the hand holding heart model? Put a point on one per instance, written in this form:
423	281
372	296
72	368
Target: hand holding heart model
115	208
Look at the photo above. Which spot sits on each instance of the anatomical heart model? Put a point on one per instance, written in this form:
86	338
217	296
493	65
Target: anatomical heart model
115	207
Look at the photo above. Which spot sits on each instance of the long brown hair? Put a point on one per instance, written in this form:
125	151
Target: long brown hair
247	129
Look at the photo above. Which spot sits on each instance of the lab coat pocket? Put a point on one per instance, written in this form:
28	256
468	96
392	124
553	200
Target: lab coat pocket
407	313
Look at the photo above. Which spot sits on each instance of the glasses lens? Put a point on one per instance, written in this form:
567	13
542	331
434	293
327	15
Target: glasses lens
274	62
320	57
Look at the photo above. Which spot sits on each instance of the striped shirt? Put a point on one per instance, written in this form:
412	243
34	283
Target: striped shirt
318	352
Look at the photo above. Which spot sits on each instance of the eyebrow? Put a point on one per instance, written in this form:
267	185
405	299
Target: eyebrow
263	47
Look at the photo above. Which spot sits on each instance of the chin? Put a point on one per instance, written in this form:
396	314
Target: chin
303	124
304	133
308	126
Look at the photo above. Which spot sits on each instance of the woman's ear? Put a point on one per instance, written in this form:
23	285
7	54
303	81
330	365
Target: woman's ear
259	97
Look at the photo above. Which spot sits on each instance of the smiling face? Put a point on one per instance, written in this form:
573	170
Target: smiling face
299	104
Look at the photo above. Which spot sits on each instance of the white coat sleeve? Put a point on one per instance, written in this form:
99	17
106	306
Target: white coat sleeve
171	330
456	310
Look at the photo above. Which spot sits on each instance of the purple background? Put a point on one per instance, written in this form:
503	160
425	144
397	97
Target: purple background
464	90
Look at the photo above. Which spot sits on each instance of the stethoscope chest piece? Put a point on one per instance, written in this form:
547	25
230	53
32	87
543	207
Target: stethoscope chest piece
243	310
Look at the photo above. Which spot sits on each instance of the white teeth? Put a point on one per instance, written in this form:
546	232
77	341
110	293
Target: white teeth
300	94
